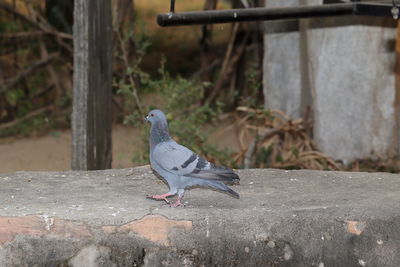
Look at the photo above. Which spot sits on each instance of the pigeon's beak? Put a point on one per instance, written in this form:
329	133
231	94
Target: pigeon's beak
146	119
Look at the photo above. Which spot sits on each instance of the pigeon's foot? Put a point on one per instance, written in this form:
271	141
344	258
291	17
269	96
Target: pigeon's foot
160	197
177	203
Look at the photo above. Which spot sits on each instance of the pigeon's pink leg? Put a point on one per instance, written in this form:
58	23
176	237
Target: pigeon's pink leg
177	203
178	199
161	197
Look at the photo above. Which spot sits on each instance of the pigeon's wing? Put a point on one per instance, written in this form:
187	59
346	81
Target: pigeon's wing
180	160
175	158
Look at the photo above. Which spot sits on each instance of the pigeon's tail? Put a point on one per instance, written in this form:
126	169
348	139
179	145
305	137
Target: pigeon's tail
220	186
227	175
232	193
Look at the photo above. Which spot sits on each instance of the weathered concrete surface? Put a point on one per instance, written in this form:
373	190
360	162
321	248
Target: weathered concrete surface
343	69
353	78
282	77
284	218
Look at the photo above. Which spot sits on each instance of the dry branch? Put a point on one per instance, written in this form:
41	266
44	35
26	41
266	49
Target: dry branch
59	36
43	27
252	147
287	141
205	42
50	70
29	71
232	57
228	55
131	80
26	117
5	37
125	13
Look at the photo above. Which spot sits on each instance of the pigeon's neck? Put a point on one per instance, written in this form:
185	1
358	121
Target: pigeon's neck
158	134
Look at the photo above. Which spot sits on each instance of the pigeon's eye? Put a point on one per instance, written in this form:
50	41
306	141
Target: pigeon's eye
151	115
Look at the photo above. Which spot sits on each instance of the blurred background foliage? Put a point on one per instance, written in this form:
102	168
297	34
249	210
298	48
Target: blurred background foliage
206	78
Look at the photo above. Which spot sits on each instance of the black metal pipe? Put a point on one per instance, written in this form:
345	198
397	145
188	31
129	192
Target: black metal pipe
373	9
252	14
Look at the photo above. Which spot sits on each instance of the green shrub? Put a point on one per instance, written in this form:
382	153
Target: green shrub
181	101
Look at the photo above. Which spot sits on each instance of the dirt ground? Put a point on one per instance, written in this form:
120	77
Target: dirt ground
52	152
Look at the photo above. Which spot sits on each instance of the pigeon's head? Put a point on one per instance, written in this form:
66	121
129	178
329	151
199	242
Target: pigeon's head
156	116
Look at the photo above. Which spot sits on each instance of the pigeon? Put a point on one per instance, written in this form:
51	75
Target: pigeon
180	167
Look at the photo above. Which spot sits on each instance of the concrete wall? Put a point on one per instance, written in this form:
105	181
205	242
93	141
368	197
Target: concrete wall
283	218
342	68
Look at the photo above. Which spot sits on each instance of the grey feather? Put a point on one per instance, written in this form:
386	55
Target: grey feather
181	167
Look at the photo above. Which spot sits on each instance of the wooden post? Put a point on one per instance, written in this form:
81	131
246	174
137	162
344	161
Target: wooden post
396	136
91	115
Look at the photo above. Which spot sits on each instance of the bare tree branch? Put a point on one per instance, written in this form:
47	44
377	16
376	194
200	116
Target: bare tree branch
23	35
40	26
29	71
232	56
131	80
26	117
252	146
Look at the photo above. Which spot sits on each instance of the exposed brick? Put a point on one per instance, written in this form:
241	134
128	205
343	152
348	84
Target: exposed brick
39	226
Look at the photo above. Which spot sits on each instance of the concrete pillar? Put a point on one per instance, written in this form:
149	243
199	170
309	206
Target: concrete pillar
347	63
282	75
352	70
